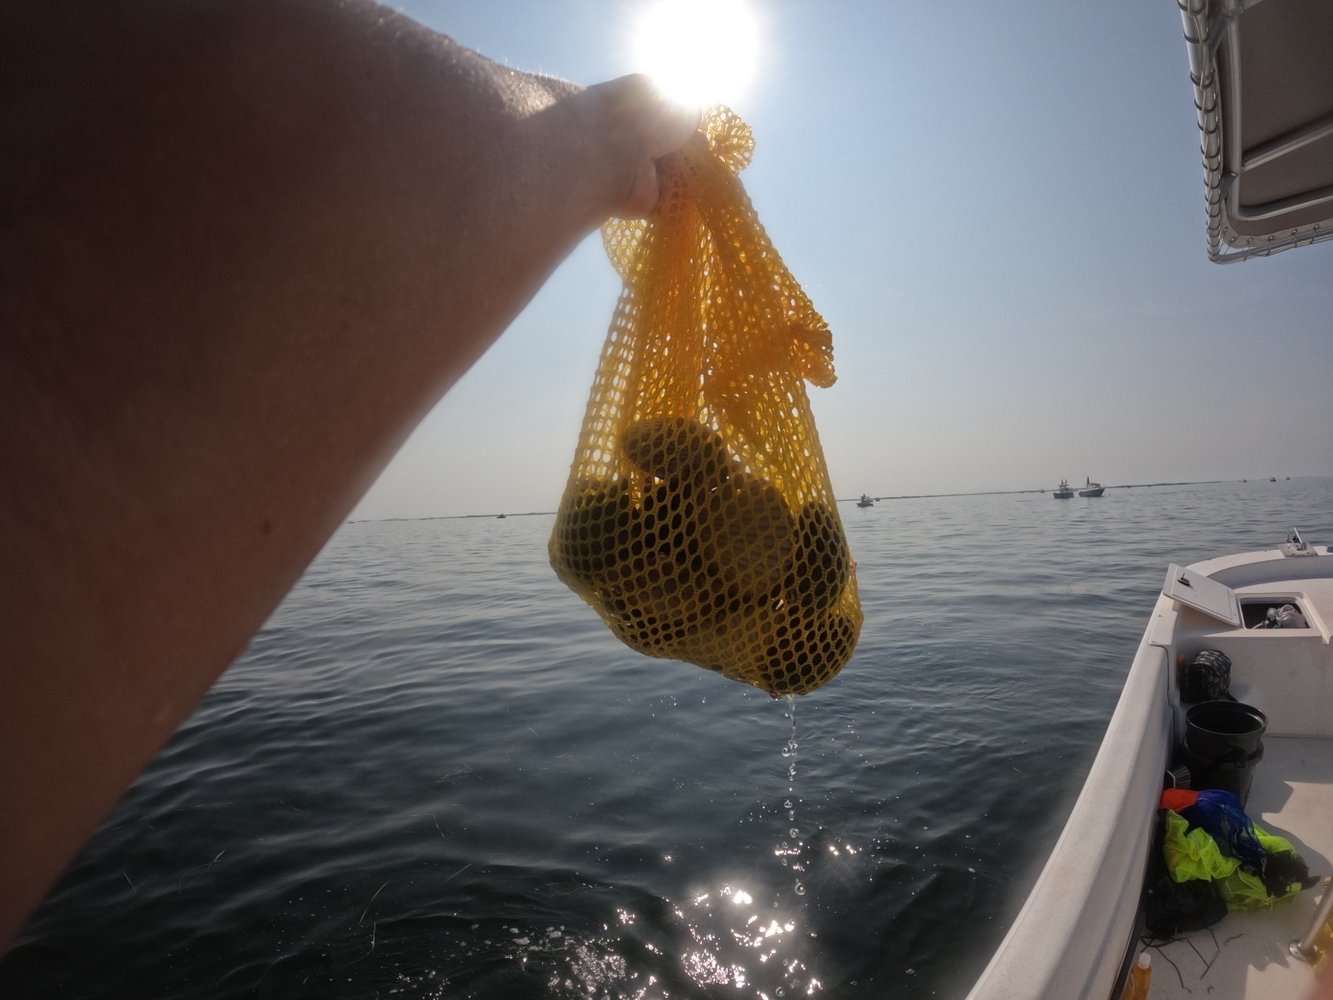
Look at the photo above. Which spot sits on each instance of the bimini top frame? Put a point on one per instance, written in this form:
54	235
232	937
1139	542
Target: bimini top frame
1263	87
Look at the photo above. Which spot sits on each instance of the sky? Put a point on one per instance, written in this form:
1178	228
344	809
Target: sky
999	210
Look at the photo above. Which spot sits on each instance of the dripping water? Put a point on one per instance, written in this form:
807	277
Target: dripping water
789	850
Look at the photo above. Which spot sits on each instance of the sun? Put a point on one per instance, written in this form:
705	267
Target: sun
700	52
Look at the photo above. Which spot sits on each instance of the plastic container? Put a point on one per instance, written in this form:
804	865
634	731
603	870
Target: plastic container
1223	745
1140	978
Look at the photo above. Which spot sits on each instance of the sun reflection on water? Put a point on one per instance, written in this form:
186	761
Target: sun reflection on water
734	944
752	935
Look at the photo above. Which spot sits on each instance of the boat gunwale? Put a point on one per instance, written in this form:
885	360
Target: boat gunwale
1073	933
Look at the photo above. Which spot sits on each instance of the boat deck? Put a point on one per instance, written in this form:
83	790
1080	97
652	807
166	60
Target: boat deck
1246	955
1069	938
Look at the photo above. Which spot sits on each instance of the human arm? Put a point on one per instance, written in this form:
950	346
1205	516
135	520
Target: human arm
244	247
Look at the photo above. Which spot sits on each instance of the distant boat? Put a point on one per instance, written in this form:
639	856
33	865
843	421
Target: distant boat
1065	491
865	501
1092	489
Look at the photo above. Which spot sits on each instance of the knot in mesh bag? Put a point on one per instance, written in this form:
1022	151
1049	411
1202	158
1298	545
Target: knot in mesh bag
699	520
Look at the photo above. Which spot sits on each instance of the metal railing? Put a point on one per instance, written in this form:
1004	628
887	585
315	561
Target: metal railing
1305	949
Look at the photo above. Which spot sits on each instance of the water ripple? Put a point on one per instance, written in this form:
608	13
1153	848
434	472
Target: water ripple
436	774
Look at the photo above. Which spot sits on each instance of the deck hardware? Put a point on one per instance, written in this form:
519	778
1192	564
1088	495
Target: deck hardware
1295	545
1305	949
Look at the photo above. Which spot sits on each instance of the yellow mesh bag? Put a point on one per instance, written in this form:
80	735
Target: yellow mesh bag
699	520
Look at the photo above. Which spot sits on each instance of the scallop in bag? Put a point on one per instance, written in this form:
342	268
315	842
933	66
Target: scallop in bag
699	520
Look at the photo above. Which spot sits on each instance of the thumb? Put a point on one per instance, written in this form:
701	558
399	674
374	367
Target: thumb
643	126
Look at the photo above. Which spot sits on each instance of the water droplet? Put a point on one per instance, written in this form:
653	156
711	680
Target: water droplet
800	889
794	832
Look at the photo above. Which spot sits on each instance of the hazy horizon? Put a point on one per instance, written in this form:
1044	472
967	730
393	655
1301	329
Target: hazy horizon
885	498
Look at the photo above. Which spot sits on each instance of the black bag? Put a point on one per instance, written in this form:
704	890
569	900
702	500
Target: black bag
1208	678
1172	908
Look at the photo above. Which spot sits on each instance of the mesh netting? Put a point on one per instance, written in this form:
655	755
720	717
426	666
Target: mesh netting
699	520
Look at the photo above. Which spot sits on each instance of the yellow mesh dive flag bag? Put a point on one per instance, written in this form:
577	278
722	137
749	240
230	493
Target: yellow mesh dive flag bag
699	520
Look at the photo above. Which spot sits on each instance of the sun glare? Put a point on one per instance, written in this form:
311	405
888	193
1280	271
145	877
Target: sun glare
700	52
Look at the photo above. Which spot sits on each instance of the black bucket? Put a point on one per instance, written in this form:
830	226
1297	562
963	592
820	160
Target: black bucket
1223	743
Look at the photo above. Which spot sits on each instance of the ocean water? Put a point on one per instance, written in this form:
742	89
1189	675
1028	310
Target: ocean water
436	774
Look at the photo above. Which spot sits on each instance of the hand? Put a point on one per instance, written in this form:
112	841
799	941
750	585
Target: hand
638	127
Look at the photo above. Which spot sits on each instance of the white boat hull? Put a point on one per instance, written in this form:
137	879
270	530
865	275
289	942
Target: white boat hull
1071	937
